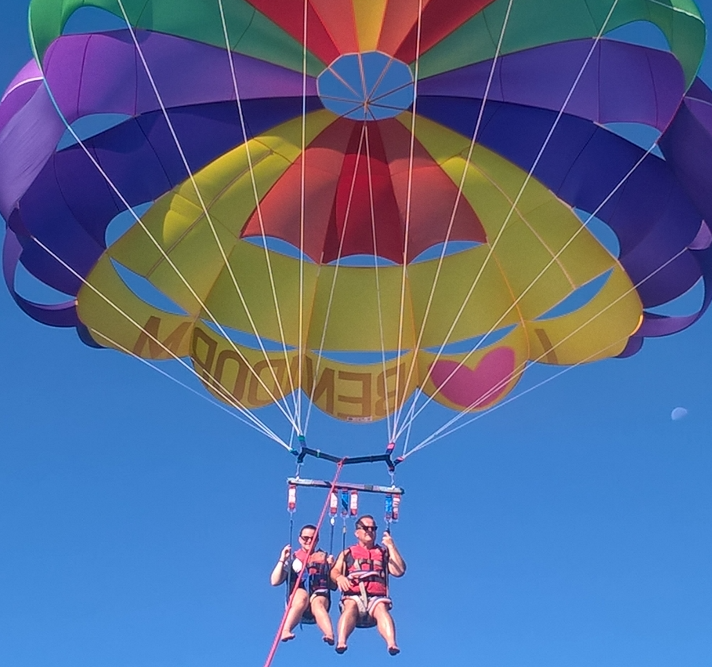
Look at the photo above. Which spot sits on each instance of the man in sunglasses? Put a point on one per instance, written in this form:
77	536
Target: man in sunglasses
361	573
313	598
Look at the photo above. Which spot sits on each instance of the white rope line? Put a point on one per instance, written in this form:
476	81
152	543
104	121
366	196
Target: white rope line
370	100
585	224
388	92
408	422
199	394
378	289
461	185
258	207
302	214
434	438
408	203
211	224
229	398
336	273
408	434
515	202
148	233
503	383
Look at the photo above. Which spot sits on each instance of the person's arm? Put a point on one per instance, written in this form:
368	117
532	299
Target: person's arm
337	574
396	564
279	573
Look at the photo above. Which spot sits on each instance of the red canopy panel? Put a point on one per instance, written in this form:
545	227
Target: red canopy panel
356	188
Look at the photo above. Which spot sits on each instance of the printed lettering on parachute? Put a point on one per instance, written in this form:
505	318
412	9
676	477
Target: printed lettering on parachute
400	202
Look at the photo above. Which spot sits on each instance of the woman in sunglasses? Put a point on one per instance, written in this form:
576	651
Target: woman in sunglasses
361	573
313	596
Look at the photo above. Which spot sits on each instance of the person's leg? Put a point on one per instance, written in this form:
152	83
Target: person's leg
347	623
320	610
299	604
386	627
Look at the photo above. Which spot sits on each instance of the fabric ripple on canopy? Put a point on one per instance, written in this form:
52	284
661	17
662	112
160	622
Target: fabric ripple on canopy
356	198
360	312
391	188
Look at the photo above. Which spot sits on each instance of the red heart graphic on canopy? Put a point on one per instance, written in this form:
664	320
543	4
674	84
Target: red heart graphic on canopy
479	387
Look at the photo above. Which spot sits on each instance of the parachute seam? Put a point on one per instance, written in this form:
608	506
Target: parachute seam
209	221
336	273
113	187
301	351
503	383
378	291
406	240
238	101
200	395
228	397
480	116
522	188
578	231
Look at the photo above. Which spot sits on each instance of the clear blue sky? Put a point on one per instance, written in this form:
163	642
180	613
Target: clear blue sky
138	524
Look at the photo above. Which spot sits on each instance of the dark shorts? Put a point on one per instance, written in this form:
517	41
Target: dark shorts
308	616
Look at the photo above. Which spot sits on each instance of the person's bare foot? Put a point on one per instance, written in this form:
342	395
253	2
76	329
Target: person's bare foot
329	640
287	636
393	650
341	649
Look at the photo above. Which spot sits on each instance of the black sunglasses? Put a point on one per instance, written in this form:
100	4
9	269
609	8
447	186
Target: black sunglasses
306	538
368	529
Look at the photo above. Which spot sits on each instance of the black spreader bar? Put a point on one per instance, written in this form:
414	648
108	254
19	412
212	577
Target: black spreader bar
347	460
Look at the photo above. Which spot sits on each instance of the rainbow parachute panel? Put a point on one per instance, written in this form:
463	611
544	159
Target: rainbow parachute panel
357	199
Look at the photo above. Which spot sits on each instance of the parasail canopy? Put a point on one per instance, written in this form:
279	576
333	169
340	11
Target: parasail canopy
343	203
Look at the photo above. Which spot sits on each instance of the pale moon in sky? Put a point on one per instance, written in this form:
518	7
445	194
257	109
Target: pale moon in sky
678	413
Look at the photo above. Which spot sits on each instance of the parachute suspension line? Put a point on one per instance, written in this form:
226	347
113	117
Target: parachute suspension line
332	523
172	378
554	258
275	642
258	208
442	432
148	233
451	223
344	501
302	215
508	217
406	238
339	255
409	428
378	290
253	421
164	254
259	427
504	382
295	423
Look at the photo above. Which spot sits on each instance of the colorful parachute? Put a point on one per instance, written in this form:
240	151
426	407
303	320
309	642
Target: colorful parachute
359	198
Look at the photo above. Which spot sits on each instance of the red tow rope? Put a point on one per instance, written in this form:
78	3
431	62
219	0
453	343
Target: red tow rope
275	643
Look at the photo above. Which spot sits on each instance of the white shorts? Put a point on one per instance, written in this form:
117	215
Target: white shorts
365	609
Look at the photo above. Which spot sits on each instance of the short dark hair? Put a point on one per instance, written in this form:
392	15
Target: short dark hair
309	526
362	517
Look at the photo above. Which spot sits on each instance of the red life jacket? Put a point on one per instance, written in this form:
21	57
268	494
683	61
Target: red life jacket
369	567
316	578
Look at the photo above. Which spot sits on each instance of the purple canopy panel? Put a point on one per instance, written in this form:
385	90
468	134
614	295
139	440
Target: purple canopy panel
583	164
57	315
687	147
104	73
71	202
620	83
30	137
21	88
